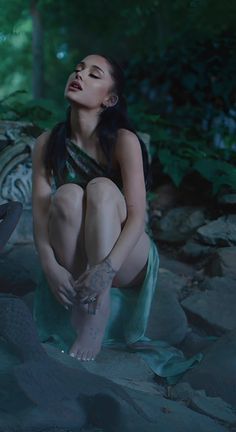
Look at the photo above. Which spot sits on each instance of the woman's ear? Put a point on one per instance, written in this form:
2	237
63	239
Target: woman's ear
112	101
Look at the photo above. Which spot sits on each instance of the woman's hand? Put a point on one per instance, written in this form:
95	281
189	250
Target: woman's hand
62	284
94	281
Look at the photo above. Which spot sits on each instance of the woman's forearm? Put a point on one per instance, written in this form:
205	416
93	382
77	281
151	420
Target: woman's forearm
41	239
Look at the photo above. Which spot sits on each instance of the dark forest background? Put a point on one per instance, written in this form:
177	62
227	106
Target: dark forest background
179	58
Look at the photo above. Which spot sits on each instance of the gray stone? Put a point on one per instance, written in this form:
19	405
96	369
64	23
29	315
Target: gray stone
164	198
193	251
222	263
167	415
19	269
194	343
215	305
110	364
23	233
220	232
171	416
198	400
216	373
228	199
167	320
214	407
179	268
179	224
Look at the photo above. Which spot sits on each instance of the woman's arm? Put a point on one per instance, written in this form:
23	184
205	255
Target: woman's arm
41	198
129	157
60	279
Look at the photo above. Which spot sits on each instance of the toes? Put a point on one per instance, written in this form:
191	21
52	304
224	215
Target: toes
89	355
74	350
84	356
79	355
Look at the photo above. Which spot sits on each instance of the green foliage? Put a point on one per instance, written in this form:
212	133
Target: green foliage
179	59
190	87
217	172
42	113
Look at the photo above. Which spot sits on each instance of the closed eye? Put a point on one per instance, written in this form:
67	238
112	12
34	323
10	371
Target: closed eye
94	76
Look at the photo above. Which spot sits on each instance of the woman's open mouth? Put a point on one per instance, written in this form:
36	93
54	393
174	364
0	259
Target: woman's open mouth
75	85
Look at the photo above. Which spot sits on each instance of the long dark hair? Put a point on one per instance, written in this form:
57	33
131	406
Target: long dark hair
110	120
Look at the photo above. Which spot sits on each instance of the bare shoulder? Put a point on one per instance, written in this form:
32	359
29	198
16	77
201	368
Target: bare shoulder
127	142
127	135
38	154
40	145
42	139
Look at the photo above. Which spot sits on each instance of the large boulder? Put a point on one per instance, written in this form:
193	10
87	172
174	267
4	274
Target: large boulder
228	199
178	224
214	407
216	373
19	270
215	304
167	320
193	251
220	232
222	263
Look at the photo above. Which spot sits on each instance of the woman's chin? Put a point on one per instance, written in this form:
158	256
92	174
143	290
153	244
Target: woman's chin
72	96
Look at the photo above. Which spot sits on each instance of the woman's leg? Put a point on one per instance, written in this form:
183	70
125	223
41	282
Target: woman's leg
66	222
105	214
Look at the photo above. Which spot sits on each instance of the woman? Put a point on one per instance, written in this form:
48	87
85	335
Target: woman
90	235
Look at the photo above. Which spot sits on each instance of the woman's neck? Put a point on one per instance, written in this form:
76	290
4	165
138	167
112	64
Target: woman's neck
83	126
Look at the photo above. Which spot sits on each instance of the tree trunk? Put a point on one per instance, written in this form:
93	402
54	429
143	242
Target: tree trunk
37	52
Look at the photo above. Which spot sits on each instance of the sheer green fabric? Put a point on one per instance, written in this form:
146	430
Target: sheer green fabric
130	310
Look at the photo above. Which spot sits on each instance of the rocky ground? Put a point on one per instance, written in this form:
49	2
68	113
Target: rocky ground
194	309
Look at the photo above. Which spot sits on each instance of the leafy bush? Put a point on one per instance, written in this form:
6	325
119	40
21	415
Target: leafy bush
18	107
191	90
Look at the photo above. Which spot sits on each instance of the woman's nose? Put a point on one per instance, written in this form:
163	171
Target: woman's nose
78	75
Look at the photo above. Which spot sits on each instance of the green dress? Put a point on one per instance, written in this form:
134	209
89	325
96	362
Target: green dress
130	307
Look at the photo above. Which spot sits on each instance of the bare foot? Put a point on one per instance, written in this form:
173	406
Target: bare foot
90	328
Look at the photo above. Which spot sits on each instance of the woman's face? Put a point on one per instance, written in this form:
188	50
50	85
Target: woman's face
90	84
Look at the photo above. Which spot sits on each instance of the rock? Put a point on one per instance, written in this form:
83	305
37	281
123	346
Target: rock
171	416
194	343
228	200
19	269
216	373
167	415
179	268
220	232
178	224
215	305
181	391
164	198
198	400
167	320
213	407
193	251
222	263
110	364
23	233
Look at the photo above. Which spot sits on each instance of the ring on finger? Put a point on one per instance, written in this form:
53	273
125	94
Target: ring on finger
91	299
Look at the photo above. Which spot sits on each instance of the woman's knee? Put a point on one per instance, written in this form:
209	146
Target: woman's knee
67	201
101	190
